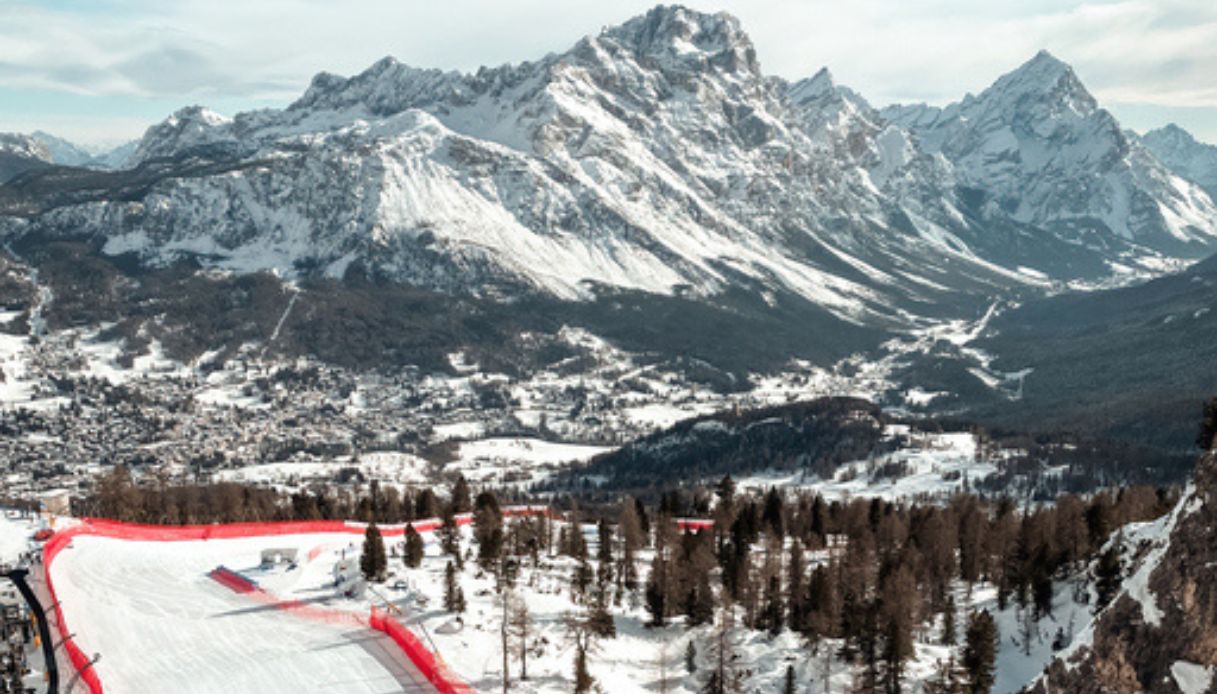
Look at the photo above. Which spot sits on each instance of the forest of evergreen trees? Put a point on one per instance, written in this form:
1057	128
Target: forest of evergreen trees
866	573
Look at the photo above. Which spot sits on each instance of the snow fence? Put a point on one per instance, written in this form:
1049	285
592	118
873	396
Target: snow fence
81	663
429	664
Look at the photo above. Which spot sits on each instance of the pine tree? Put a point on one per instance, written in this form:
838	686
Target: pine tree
630	530
454	597
690	657
898	603
699	607
789	687
413	555
488	530
373	562
980	653
797	606
948	622
461	496
600	619
581	578
450	533
1108	575
656	593
771	615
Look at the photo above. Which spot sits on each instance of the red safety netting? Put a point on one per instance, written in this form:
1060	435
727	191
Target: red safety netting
80	662
429	664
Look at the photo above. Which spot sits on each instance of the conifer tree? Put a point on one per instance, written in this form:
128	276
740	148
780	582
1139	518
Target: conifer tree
373	561
580	580
980	653
771	612
699	603
413	554
600	619
948	621
656	592
450	534
454	596
630	530
1108	575
797	608
488	530
789	685
462	499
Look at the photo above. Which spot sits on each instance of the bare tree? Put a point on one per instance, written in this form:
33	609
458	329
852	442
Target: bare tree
521	630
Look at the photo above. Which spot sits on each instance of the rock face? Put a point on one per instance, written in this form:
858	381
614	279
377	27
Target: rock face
653	157
1160	633
1195	161
1040	148
19	154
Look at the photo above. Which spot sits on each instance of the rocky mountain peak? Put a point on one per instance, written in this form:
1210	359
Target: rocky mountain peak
1188	157
672	33
1042	80
25	146
186	129
813	88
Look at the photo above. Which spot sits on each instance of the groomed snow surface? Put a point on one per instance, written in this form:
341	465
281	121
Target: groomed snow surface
161	625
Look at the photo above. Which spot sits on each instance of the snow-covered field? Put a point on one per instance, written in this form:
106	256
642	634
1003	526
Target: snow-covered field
504	459
389	467
932	464
15	532
161	624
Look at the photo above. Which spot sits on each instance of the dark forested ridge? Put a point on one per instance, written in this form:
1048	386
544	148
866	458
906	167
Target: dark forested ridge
363	321
1133	364
815	436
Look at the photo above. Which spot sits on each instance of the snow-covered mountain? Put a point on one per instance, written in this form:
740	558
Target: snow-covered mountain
51	149
60	151
657	157
1194	160
20	153
1039	149
23	146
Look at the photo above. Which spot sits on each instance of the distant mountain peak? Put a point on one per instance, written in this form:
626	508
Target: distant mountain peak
674	31
1188	157
23	146
1046	76
815	87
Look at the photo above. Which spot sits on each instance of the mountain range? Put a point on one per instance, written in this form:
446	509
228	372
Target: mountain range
654	164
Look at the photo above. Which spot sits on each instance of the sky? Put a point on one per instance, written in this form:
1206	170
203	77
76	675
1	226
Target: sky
101	71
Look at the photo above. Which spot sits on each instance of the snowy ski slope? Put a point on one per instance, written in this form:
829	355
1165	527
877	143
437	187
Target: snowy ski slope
161	625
